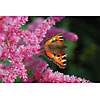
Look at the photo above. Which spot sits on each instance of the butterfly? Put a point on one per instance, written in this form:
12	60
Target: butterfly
54	50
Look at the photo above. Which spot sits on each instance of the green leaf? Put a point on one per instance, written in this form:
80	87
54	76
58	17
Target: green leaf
18	80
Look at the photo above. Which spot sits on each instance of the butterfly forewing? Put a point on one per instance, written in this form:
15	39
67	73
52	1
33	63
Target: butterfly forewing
58	38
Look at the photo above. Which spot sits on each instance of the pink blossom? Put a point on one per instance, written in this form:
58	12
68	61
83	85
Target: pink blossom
18	47
68	35
2	70
58	77
1	75
37	66
10	39
41	30
40	73
58	18
32	26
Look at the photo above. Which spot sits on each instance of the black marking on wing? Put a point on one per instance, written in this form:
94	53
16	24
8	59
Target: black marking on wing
52	41
54	54
58	55
63	54
61	37
64	62
63	58
56	40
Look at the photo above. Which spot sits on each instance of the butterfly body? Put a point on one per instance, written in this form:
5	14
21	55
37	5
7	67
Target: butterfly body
54	50
55	47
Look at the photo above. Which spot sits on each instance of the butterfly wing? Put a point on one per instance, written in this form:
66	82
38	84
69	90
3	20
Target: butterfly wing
57	38
60	59
48	54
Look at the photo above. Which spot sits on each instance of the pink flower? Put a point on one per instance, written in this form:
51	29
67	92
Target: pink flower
9	47
58	77
32	26
68	35
41	74
41	30
37	66
18	47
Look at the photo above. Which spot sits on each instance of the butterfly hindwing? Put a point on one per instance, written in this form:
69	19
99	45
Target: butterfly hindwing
60	59
48	54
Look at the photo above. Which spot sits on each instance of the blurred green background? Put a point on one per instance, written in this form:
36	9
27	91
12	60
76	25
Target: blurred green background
84	55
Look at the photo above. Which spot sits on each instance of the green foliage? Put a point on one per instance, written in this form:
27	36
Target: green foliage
18	80
71	45
4	61
87	58
0	81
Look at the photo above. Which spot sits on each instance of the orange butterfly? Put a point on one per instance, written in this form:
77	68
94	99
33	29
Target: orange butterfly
54	50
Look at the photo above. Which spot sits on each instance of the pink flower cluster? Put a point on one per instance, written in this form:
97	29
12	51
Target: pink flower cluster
10	43
18	46
41	74
68	35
